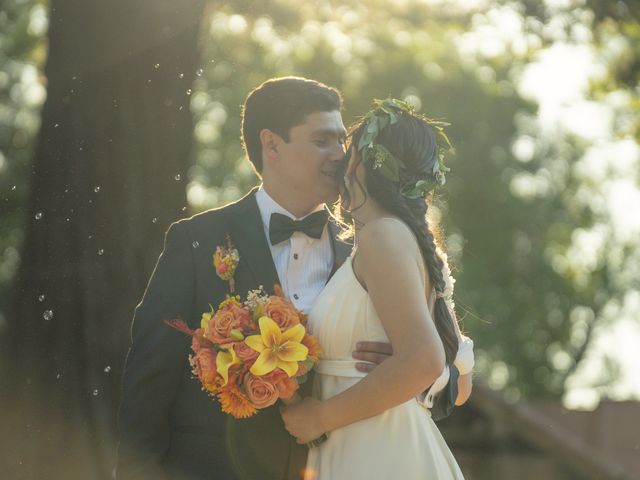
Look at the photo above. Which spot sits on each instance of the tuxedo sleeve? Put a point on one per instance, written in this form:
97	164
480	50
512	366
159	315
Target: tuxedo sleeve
445	400
156	361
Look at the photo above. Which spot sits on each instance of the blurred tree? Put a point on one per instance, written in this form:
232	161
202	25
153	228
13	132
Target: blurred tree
107	177
22	54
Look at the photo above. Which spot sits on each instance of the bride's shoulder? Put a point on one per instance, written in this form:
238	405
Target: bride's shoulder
386	235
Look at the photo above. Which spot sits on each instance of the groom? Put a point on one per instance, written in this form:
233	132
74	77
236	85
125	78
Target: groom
169	428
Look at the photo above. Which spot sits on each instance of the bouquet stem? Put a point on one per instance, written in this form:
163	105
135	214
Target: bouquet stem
293	400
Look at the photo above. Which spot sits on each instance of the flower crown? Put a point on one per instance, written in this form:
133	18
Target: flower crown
386	112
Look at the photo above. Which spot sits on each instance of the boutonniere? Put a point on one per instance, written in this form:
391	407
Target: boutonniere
225	260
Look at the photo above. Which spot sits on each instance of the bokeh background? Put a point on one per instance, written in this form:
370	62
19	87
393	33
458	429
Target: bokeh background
119	117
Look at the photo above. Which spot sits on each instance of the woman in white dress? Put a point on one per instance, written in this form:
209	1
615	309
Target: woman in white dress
394	288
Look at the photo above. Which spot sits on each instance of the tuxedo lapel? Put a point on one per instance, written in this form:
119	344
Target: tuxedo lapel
247	234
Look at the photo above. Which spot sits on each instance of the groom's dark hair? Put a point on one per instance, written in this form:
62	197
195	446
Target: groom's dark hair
280	104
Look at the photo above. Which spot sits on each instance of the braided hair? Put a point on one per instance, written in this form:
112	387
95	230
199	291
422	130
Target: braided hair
413	141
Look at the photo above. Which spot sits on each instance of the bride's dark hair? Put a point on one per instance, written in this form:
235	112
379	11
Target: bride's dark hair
413	141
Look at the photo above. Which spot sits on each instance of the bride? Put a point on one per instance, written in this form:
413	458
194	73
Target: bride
395	288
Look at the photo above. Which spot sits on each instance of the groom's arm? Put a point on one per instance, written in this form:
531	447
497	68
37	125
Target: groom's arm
156	362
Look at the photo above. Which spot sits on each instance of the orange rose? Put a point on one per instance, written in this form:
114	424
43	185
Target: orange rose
261	392
282	312
247	354
204	364
285	385
242	315
219	327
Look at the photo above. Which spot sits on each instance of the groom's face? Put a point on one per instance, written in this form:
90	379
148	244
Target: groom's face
308	163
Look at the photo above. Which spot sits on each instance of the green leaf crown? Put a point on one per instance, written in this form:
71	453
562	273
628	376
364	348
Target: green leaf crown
387	112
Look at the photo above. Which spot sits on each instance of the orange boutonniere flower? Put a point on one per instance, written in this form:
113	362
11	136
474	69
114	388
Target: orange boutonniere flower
225	260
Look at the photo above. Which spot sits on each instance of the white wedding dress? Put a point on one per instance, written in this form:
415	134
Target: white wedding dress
400	443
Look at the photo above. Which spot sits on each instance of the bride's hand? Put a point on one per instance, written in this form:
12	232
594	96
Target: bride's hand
303	420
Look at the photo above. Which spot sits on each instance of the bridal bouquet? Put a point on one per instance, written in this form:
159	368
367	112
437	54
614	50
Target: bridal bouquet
248	354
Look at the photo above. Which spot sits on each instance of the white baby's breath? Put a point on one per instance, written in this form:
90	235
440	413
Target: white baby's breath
256	297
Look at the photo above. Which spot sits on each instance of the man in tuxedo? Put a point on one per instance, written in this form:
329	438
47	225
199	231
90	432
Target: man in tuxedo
293	134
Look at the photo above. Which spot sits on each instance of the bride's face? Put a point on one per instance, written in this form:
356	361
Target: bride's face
353	188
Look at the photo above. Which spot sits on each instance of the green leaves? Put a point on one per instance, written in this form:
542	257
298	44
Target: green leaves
388	164
417	190
387	112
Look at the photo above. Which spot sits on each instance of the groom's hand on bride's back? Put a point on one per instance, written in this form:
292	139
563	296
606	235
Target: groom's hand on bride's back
371	354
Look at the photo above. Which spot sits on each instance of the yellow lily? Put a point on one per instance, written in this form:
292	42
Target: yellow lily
276	348
224	361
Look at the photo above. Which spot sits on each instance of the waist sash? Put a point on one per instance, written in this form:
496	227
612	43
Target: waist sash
339	368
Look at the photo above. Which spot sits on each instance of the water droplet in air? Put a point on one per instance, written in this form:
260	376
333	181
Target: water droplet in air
38	215
154	220
156	66
177	177
41	298
95	392
196	244
101	251
48	314
181	75
97	189
188	91
199	72
58	376
107	369
56	125
14	187
184	209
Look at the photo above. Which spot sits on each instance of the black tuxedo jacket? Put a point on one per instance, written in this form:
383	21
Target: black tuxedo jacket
169	427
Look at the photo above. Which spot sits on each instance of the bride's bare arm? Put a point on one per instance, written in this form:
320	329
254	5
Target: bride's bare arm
388	264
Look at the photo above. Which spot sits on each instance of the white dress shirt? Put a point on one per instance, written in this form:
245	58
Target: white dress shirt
303	263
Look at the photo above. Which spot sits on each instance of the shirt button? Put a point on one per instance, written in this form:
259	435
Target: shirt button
295	256
295	295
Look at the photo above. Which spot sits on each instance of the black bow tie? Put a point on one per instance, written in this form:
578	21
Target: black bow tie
282	227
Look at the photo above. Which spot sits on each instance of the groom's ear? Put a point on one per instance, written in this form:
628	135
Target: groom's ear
269	142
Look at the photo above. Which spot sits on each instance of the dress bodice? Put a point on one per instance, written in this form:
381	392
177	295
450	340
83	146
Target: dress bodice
343	315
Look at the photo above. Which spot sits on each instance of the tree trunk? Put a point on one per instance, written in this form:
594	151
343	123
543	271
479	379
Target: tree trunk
108	177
